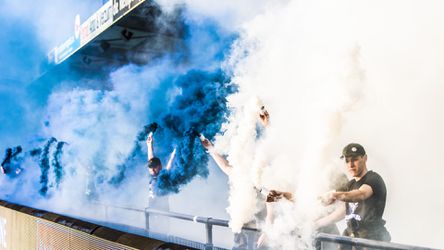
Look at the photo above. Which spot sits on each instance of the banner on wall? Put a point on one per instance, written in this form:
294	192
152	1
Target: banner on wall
68	47
107	15
122	7
96	23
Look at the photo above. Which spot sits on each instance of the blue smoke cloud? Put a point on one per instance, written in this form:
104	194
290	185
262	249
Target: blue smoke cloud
103	119
202	108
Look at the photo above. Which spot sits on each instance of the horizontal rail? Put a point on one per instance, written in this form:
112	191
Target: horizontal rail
349	241
319	238
199	219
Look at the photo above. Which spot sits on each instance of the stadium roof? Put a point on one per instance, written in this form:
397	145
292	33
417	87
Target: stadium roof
120	32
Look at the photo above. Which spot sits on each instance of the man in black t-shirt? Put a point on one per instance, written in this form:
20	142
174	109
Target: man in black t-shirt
364	199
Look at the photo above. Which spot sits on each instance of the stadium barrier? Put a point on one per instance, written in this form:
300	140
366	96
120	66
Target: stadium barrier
24	227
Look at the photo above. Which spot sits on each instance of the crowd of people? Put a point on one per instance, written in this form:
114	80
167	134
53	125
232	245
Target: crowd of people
360	201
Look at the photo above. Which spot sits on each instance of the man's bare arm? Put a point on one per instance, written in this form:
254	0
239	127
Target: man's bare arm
149	145
363	193
170	161
221	162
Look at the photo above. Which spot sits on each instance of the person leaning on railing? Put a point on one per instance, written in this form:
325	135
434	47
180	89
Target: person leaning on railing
338	180
363	199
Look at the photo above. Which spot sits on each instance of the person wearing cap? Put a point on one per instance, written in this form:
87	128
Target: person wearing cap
154	164
157	223
363	199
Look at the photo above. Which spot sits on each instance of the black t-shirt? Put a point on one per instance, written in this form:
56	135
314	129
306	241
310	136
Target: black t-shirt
368	212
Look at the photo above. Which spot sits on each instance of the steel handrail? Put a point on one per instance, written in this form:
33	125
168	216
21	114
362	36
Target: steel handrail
318	239
198	219
372	244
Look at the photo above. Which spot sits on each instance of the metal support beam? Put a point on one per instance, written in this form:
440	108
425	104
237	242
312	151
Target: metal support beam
209	228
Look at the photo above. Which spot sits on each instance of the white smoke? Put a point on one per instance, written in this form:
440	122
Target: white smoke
331	73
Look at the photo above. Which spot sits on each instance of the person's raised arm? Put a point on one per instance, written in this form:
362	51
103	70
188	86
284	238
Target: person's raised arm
170	161
221	162
149	145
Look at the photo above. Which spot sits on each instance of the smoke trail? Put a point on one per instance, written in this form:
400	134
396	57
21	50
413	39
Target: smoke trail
7	157
10	165
56	163
44	166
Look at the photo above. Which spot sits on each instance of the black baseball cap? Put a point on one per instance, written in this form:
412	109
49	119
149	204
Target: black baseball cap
353	150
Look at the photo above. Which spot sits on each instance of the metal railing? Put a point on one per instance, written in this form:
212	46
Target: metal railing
207	221
321	240
356	243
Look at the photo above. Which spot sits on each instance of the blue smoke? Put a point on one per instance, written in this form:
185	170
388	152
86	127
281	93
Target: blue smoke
56	163
11	164
183	91
44	166
200	108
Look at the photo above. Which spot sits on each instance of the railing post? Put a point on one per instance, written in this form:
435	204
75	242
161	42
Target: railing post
209	228
317	243
147	220
106	212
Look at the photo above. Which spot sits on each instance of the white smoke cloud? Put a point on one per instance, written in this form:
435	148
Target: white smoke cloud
335	72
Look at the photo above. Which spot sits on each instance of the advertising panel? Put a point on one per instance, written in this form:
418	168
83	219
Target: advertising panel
68	47
96	23
102	19
23	231
121	7
17	230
